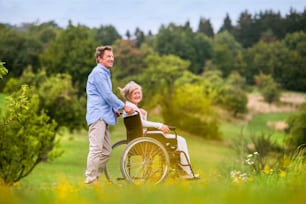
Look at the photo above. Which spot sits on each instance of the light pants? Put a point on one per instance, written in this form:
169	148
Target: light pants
100	149
182	146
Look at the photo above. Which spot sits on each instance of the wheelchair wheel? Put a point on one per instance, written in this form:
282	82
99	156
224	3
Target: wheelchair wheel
112	169
145	160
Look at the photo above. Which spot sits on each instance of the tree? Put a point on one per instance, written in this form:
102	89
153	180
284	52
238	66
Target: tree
268	58
160	74
25	138
226	53
106	35
129	60
205	27
18	50
268	88
139	37
293	73
227	25
234	96
72	53
26	135
191	110
57	97
167	82
245	32
182	42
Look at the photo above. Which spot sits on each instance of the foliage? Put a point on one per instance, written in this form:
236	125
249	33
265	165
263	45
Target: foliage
57	97
159	76
193	112
268	88
228	93
205	27
72	52
226	52
297	129
264	155
26	136
3	70
129	60
106	35
234	97
294	71
18	50
181	42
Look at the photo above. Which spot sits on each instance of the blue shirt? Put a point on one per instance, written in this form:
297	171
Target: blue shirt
101	101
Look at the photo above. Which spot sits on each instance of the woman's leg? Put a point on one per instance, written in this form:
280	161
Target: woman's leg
184	158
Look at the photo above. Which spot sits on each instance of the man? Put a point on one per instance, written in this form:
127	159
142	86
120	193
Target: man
102	110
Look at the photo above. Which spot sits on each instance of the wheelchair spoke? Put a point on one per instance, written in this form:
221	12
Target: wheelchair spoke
146	161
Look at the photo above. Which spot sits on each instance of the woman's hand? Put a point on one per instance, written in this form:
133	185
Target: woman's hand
165	128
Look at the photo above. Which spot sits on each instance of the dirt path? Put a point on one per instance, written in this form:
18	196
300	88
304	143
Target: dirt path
289	103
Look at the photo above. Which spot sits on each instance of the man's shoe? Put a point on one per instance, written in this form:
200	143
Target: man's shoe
91	181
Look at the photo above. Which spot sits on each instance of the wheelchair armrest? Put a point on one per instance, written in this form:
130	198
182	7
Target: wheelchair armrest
152	129
173	128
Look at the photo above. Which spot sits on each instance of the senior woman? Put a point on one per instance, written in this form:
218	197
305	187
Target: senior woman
132	93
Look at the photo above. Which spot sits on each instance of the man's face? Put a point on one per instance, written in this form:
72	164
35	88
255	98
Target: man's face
107	60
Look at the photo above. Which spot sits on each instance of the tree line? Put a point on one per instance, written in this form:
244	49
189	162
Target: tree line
56	61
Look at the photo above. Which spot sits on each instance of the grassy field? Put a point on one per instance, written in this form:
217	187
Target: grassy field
222	181
61	181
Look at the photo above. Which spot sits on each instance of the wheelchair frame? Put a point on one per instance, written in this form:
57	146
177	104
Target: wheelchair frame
144	157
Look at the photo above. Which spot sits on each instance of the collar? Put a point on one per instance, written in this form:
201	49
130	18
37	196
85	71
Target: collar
104	69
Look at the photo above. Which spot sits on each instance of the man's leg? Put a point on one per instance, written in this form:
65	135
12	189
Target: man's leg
106	151
97	133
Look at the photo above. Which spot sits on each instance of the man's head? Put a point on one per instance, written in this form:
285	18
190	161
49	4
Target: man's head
105	56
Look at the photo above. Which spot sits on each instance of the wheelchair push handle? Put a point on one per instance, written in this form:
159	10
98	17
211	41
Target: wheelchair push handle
173	128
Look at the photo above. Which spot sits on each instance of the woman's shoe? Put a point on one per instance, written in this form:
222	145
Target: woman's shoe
190	176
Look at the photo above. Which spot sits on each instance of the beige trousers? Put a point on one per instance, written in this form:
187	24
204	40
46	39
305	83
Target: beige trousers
100	149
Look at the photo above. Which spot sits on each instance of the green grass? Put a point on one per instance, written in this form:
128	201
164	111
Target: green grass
61	181
258	125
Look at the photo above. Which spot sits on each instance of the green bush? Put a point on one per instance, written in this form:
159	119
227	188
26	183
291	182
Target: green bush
26	136
297	129
190	110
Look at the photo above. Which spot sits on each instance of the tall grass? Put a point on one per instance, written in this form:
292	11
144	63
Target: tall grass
61	181
222	181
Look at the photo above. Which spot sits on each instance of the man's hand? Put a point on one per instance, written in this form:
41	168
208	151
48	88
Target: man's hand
117	113
128	109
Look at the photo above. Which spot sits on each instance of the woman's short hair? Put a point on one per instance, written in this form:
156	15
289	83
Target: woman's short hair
128	89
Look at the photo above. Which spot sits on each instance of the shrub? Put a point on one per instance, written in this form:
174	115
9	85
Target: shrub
26	136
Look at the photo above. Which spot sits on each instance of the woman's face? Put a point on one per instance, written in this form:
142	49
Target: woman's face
136	96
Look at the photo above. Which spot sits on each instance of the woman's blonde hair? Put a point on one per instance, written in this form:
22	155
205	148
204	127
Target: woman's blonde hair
127	90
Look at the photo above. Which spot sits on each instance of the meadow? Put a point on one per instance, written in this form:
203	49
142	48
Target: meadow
222	180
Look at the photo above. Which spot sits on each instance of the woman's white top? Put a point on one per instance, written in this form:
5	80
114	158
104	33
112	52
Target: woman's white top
143	116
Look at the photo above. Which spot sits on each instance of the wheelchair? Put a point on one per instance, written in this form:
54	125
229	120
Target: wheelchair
144	157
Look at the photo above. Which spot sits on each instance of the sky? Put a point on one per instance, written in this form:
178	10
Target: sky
129	14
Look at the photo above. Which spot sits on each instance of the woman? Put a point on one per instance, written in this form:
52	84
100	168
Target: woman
132	93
